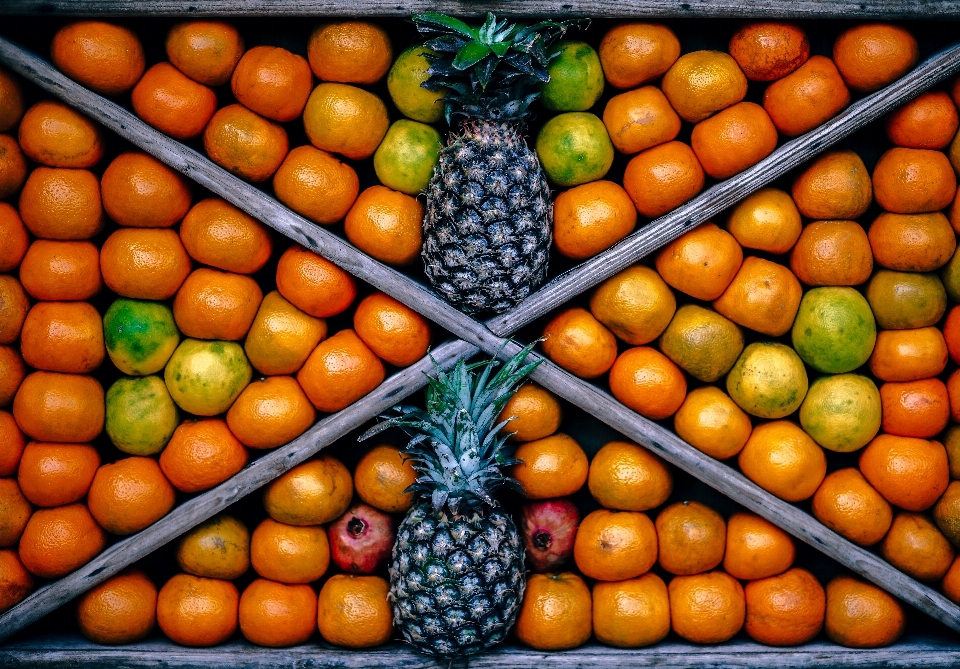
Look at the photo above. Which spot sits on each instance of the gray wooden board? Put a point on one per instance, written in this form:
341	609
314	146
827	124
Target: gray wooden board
820	9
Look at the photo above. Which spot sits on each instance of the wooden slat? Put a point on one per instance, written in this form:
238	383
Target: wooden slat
812	9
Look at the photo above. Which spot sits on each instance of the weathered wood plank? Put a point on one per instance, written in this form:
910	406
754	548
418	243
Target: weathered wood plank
862	9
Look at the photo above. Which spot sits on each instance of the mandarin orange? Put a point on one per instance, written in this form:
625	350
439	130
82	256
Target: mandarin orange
56	541
785	610
341	370
635	53
382	477
357	52
314	284
767	51
344	119
872	55
61	271
15	581
832	253
211	304
354	611
915	408
756	548
55	135
273	82
929	121
205	51
129	495
63	337
768	221
631	613
639	119
386	224
635	304
172	102
615	545
579	343
144	263
590	218
16	240
847	504
270	412
202	454
288	553
554	466
861	615
700	83
663	177
13	166
910	473
626	477
194	611
834	186
394	332
534	413
763	296
648	382
783	459
733	139
712	422
702	262
556	612
312	493
282	337
103	56
60	407
277	615
706	608
805	98
121	610
691	538
57	474
60	203
913	181
916	547
244	143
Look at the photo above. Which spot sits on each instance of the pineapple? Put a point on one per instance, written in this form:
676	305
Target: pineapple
488	220
457	575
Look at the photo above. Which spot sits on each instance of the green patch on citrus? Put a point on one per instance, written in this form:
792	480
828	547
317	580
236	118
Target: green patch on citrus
950	276
140	336
205	377
140	415
702	342
576	78
842	412
768	380
405	159
906	300
574	148
834	331
409	70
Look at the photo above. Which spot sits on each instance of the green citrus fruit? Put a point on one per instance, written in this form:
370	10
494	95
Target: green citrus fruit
405	159
702	342
140	336
842	412
409	70
834	331
574	148
768	380
950	276
906	300
576	78
140	415
951	442
205	377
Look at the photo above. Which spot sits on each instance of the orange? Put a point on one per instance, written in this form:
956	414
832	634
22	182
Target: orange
15	581
910	473
13	166
851	507
950	583
55	135
394	332
639	119
712	422
14	306
632	613
615	545
216	305
216	548
121	610
556	613
635	53
662	178
785	610
105	57
648	382
341	370
53	270
782	459
706	608
282	337
140	191
16	240
872	55
57	474
60	407
733	139
202	454
57	541
58	203
205	51
355	52
386	224
951	441
763	296
314	284
16	512
216	233
626	477
273	82
929	121
591	218
245	144
12	443
691	538
579	343
172	102
277	615
702	262
912	242
953	392
270	412
289	554
534	413
913	181
756	548
807	97
129	495
915	408
635	304
908	355
554	466
353	611
382	477
916	547
344	119
63	337
835	186
315	492
149	264
700	83
194	611
702	342
316	184
832	253
768	221
766	51
946	513
861	615
12	373
11	100
907	300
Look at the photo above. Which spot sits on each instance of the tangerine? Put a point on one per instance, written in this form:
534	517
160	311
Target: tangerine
201	454
172	102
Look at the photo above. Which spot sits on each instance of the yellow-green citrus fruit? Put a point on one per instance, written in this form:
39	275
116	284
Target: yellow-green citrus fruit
414	101
702	342
842	412
140	415
950	276
140	336
205	377
405	159
574	148
768	380
834	331
576	78
217	548
906	300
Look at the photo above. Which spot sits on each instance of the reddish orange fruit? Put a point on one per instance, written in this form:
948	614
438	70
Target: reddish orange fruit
394	332
272	82
121	610
53	134
60	407
341	370
139	191
205	51
732	140
807	97
59	203
915	408
635	53
106	57
702	262
314	284
129	495
172	102
201	454
61	271
929	121
872	55
244	143
913	181
579	343
57	474
57	541
785	610
766	51
663	177
910	473
63	337
648	382
195	611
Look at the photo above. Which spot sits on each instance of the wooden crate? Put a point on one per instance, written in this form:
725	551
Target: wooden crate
490	337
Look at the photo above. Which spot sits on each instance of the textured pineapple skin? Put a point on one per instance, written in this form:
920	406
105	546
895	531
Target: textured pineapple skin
456	583
488	222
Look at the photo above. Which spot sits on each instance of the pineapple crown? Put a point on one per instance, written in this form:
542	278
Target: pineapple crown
457	446
489	72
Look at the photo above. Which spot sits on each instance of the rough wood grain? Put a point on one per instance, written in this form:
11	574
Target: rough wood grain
862	9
